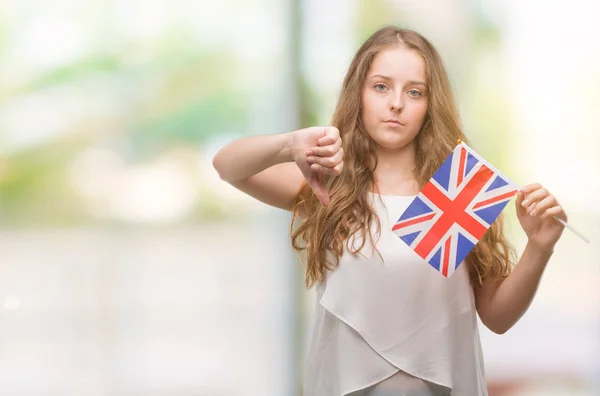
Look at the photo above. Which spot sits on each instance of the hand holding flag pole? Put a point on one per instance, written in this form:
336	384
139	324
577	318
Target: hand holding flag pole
534	209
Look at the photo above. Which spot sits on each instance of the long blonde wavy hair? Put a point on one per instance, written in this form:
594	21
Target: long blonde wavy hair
349	212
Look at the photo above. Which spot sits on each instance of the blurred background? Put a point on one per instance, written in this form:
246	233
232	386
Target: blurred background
127	267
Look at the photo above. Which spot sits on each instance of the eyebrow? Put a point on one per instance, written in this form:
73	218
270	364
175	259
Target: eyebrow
389	78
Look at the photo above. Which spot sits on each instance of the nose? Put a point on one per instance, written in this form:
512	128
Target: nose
396	101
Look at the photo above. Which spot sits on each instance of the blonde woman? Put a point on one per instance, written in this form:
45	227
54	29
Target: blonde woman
386	322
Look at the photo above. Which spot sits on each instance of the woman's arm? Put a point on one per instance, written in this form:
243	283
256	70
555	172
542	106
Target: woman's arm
500	305
246	157
271	168
262	167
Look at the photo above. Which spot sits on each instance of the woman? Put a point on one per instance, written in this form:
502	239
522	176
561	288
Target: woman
386	322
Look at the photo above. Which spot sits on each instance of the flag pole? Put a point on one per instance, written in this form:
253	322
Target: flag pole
561	221
558	219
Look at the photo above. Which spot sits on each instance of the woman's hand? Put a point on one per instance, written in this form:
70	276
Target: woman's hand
535	208
318	151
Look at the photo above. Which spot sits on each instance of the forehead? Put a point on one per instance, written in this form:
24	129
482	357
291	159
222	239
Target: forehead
398	63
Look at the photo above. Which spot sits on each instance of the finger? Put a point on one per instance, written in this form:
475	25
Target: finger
541	206
335	171
317	187
328	162
331	135
326	151
535	196
554	211
530	187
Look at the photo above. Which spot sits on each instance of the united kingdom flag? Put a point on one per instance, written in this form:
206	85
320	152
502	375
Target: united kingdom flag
454	209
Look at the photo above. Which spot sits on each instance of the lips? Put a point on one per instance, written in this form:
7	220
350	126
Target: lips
393	122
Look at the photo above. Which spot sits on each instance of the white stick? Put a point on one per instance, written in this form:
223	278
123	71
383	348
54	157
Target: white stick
580	235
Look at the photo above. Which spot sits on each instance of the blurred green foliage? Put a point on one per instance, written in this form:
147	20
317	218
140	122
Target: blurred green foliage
172	94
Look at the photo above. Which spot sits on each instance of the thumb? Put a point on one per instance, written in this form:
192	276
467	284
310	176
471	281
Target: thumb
317	186
518	203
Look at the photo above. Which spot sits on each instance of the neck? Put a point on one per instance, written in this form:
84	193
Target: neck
394	172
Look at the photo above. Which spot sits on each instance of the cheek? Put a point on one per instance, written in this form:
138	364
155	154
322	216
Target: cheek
367	108
419	111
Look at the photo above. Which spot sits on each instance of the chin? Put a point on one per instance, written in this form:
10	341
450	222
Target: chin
394	143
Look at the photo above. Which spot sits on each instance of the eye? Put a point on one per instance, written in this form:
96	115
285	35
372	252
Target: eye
414	93
380	87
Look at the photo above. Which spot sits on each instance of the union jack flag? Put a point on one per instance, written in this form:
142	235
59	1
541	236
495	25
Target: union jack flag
454	209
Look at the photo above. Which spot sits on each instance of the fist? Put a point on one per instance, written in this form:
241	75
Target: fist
318	151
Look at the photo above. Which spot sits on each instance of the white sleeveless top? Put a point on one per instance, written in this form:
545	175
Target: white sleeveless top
394	327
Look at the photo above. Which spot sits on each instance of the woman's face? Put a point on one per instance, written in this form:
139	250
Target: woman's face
394	97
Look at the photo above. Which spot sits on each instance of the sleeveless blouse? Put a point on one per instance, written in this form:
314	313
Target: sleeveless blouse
395	326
